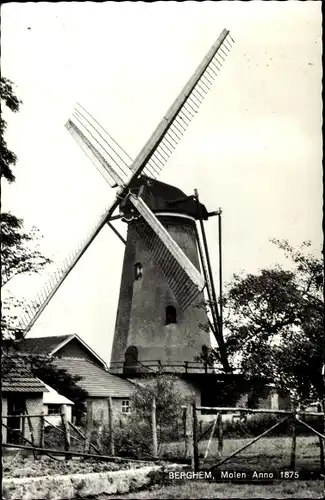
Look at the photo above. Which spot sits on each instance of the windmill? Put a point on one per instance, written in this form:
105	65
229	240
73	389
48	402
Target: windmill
135	181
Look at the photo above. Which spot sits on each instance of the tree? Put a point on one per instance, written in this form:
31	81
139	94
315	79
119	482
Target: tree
62	381
8	158
275	323
19	249
169	413
20	255
14	360
168	399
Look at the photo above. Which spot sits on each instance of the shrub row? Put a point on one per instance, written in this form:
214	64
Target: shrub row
257	424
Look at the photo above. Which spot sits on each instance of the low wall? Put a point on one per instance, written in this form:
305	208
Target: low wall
67	487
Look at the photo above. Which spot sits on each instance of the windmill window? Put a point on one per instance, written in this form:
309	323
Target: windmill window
125	406
138	271
170	315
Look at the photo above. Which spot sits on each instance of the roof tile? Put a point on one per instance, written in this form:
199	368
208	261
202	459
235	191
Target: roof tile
17	383
21	379
40	345
96	381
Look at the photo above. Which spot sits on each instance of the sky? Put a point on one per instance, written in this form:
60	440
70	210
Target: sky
255	148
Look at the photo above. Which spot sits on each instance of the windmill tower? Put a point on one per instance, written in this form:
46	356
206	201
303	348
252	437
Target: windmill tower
162	282
151	327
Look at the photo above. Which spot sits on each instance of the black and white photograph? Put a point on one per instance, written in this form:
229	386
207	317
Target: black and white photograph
162	273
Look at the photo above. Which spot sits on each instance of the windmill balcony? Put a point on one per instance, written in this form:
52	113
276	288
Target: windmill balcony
149	366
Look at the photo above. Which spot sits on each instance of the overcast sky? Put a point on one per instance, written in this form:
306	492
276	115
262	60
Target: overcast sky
255	148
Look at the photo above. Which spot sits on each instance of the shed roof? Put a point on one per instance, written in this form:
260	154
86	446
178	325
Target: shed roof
53	397
22	380
96	381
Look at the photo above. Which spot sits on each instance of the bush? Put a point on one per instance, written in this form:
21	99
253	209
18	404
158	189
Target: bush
257	424
133	441
53	438
171	433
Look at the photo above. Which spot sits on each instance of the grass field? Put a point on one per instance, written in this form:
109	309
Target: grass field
272	452
203	489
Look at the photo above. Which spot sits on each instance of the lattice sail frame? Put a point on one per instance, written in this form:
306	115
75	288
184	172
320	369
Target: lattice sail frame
119	170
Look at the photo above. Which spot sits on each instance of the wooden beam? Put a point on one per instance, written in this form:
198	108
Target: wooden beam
111	427
157	136
168	241
154	429
90	455
116	232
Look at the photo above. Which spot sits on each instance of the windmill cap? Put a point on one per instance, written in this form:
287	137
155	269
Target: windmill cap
160	196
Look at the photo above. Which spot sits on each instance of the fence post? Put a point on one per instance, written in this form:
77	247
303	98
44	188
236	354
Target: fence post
210	438
42	431
188	432
88	426
220	434
31	430
195	457
100	431
66	430
321	445
83	437
154	429
294	442
184	422
111	427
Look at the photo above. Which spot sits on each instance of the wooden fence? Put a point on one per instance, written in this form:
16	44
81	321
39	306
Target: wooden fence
69	431
192	439
72	434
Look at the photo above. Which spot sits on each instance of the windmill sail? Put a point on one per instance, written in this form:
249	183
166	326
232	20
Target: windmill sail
158	149
184	279
113	176
155	153
40	302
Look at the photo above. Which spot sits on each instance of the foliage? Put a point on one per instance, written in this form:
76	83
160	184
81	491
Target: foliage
15	361
133	440
19	250
8	158
19	255
168	400
254	425
60	380
275	323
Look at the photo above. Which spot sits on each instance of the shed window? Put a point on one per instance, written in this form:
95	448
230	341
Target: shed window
138	271
125	406
53	409
170	315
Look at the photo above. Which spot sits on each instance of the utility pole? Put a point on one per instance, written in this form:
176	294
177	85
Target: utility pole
220	269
